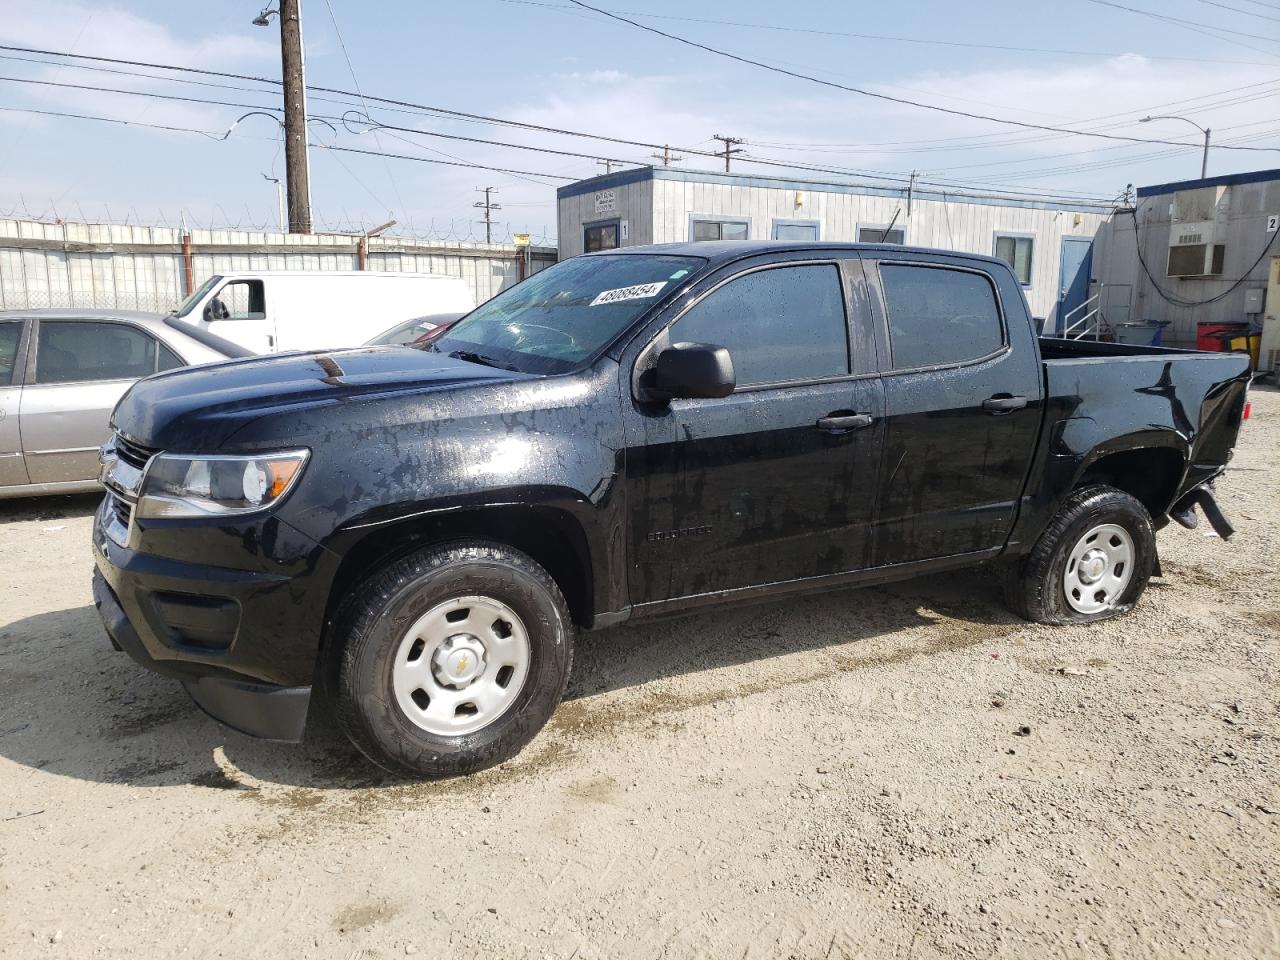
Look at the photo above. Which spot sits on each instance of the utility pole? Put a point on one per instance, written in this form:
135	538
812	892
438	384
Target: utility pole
730	148
911	189
297	165
607	164
665	156
489	206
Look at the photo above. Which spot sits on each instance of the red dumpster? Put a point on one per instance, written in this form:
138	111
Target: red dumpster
1210	336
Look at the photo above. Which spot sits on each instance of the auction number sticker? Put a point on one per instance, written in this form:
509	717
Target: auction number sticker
639	291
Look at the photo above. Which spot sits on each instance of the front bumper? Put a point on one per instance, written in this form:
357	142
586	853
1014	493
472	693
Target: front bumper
234	612
257	709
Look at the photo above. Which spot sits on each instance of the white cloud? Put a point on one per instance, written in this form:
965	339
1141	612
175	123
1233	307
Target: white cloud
108	29
776	115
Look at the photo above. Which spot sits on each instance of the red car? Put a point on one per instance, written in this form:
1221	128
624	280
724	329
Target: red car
417	332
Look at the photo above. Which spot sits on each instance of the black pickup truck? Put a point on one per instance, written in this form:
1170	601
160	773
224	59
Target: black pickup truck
624	435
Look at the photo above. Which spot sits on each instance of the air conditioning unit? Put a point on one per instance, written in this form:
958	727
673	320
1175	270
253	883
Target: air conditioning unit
1198	232
1192	252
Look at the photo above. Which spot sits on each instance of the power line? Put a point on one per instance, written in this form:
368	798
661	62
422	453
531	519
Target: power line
318	146
344	120
879	96
765	161
447	163
255	108
1193	25
356	83
997	140
460	114
1247	13
883	37
123	123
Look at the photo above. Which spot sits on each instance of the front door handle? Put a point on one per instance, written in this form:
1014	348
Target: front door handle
1003	403
844	422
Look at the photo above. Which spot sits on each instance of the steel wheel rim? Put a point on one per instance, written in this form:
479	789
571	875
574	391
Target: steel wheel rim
461	665
1099	568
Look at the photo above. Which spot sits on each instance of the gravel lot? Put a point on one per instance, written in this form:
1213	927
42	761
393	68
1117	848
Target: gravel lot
839	776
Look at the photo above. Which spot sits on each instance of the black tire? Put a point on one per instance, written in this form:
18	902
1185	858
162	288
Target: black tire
383	607
1034	587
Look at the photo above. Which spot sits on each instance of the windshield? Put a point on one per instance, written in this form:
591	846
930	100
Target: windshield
562	315
189	304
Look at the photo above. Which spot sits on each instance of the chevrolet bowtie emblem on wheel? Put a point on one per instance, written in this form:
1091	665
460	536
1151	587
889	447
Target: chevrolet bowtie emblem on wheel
462	664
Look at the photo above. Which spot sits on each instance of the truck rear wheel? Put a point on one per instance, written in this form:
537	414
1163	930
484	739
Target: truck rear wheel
1092	562
450	660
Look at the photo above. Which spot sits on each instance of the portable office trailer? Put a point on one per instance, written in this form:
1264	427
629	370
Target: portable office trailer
1199	251
1051	245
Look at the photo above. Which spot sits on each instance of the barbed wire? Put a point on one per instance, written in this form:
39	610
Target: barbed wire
438	230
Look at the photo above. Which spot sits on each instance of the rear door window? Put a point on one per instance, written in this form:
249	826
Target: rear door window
10	337
80	351
939	316
780	324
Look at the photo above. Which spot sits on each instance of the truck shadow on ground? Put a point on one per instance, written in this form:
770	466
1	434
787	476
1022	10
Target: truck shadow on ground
72	706
49	508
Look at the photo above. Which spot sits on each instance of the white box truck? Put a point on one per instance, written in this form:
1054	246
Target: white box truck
270	310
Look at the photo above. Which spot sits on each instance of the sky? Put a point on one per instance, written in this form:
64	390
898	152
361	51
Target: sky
1083	64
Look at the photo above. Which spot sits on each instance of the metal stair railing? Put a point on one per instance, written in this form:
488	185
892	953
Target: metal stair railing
1089	323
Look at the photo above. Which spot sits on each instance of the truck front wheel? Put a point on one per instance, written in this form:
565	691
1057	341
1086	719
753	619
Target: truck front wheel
450	660
1091	563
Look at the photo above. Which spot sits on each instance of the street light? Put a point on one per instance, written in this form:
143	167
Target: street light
264	18
1204	162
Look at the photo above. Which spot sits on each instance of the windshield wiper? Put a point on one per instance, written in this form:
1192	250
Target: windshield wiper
472	357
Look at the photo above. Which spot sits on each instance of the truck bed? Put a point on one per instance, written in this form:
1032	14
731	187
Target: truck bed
1059	348
1107	397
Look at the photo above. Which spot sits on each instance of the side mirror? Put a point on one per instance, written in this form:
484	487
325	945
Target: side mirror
215	309
693	371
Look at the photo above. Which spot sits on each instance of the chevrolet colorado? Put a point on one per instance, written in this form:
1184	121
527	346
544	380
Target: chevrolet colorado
624	435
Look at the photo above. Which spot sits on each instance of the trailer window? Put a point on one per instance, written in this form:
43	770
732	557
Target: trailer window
600	236
870	234
1016	252
939	316
705	228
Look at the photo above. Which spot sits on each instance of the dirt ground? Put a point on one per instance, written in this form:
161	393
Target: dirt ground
839	776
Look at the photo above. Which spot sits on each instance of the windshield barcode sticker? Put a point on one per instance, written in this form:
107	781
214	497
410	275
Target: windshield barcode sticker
640	291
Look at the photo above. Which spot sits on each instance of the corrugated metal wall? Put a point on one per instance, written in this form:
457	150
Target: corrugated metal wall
141	268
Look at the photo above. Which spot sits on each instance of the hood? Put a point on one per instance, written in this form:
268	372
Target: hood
198	408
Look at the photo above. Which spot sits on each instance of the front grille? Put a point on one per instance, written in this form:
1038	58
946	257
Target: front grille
132	453
122	510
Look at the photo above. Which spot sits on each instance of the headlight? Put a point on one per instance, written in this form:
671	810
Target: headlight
178	486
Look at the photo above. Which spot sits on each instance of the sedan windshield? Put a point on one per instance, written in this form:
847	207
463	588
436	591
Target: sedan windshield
562	315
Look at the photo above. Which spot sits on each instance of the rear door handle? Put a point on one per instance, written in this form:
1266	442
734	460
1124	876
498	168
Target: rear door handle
1004	404
844	422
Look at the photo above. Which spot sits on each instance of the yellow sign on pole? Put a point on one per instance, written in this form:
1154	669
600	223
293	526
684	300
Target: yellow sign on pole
522	239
